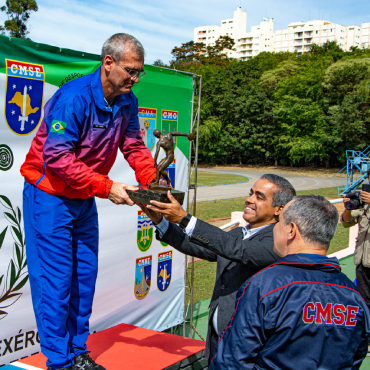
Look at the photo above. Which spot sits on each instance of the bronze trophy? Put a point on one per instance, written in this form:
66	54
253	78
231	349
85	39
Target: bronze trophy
155	191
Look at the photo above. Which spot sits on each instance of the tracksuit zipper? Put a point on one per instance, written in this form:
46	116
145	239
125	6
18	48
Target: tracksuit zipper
110	144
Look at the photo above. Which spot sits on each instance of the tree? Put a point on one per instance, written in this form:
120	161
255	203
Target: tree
18	12
331	48
222	45
188	51
159	63
342	77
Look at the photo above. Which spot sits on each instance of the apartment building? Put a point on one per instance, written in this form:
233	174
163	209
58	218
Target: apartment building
232	27
298	37
261	38
365	35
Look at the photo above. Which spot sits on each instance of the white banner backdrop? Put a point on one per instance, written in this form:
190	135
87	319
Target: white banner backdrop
131	261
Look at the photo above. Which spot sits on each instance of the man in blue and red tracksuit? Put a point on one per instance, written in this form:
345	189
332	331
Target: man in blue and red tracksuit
301	312
84	125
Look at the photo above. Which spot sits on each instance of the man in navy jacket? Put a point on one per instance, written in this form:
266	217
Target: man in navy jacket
301	312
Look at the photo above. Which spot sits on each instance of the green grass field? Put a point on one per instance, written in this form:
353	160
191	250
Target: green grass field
212	178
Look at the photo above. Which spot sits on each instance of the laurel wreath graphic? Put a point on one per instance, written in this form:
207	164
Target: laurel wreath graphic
16	277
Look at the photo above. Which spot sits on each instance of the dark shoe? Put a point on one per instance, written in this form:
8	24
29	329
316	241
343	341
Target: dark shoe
85	362
72	367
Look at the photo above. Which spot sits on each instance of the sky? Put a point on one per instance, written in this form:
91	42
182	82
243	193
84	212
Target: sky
161	25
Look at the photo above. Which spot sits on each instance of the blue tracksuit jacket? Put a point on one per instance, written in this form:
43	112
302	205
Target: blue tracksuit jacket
299	313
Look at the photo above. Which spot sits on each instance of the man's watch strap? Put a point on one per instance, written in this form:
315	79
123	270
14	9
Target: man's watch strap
185	221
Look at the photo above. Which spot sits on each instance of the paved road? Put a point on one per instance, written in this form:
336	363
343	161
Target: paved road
242	189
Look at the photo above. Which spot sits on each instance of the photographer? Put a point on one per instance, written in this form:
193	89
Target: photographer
361	216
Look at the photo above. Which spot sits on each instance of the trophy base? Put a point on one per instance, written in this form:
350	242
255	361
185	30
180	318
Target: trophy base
145	194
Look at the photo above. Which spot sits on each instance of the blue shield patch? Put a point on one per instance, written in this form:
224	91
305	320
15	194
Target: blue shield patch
143	277
24	96
164	270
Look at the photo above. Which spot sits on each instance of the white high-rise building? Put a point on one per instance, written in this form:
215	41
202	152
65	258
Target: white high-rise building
365	35
298	37
261	38
232	27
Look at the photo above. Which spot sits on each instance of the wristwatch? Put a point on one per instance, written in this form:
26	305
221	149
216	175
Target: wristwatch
184	222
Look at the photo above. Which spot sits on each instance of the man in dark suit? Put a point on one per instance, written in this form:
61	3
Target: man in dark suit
239	253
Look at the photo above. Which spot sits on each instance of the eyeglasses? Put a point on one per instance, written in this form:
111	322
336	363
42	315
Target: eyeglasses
132	72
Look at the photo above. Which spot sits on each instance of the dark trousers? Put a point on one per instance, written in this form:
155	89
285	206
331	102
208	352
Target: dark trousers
363	282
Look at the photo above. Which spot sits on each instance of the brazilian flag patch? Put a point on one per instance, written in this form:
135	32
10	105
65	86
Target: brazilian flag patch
58	127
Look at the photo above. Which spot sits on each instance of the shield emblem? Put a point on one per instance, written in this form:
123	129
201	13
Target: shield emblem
144	231
147	120
143	277
170	123
163	244
24	96
164	270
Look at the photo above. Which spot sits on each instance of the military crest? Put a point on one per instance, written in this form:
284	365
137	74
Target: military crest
169	123
163	244
143	277
147	120
164	270
144	231
24	96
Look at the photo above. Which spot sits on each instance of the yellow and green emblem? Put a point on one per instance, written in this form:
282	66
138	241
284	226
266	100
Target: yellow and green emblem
144	231
58	127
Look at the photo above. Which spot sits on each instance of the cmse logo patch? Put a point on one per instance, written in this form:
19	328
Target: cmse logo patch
164	270
170	123
143	277
147	120
24	96
144	231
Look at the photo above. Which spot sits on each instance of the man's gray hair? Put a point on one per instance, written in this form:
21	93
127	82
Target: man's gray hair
285	192
315	217
116	45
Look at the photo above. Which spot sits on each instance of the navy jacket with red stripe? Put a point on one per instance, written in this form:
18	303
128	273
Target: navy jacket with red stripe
299	313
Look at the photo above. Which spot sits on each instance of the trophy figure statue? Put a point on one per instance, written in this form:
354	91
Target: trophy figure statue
155	190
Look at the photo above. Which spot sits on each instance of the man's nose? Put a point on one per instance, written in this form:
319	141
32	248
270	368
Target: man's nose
249	199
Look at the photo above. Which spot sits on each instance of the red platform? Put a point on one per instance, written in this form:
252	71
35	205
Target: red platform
130	347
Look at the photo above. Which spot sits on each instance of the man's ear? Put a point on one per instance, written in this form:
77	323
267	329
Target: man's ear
278	210
293	231
108	62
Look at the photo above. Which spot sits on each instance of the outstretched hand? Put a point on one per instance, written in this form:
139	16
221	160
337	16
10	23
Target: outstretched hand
172	212
118	194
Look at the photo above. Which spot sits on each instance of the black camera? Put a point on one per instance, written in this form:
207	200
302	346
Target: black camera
355	199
